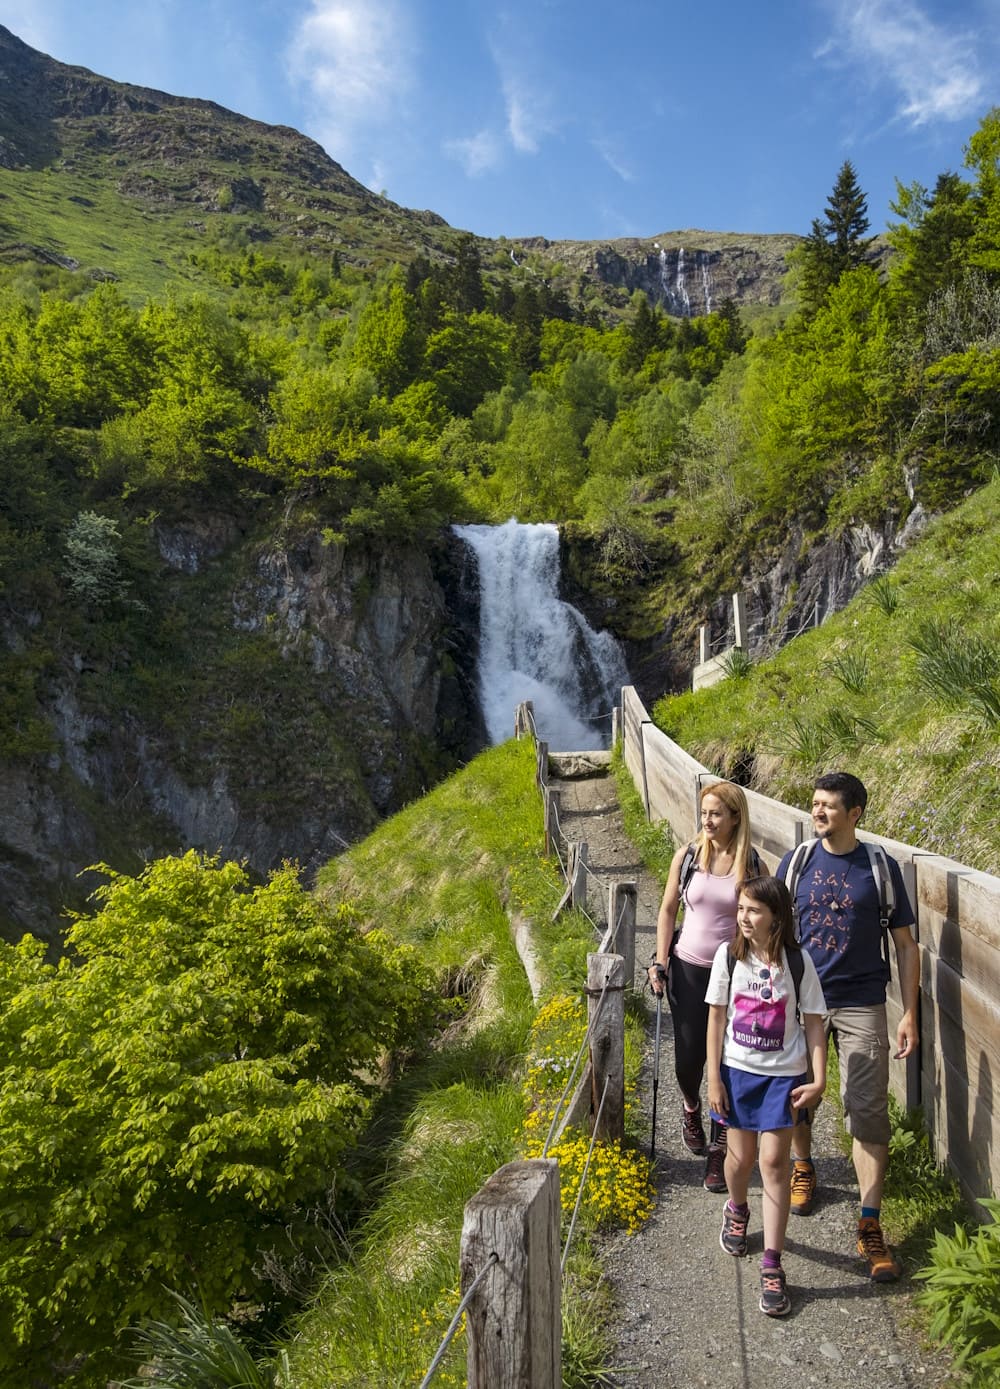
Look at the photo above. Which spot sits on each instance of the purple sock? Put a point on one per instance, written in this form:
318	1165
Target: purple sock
771	1259
738	1210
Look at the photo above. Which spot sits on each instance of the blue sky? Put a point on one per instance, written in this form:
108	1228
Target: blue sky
568	118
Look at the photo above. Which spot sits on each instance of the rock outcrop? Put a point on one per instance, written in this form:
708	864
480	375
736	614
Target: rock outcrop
362	704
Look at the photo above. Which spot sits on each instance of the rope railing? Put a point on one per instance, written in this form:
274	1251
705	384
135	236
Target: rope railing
453	1325
610	936
584	1045
583	1175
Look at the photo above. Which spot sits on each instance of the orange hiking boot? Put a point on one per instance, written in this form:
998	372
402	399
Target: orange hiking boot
871	1246
803	1188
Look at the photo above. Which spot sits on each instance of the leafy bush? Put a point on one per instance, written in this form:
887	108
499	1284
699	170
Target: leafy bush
190	1074
962	1293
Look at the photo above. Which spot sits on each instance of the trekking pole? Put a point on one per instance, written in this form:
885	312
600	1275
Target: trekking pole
656	1074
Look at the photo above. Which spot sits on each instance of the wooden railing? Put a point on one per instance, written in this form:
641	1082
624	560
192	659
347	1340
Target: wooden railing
954	1076
510	1264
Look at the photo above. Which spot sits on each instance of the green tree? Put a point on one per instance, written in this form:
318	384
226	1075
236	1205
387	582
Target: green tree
387	340
182	1083
932	239
836	242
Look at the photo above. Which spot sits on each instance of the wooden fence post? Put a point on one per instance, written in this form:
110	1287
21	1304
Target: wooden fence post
551	811
616	726
541	765
514	1321
622	899
578	873
607	1041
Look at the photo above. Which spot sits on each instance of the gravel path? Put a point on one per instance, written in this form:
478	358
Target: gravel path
687	1311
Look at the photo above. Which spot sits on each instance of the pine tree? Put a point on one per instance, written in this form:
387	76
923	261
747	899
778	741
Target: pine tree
836	242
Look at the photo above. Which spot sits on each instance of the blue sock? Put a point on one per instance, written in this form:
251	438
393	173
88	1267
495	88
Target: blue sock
870	1211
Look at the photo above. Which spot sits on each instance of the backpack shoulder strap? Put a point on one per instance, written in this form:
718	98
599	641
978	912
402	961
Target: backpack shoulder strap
796	968
801	855
879	863
688	864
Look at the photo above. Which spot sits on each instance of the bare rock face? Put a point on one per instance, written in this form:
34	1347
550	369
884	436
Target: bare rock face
685	273
361	706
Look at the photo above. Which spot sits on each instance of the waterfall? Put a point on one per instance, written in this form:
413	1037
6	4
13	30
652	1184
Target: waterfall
533	646
706	279
681	290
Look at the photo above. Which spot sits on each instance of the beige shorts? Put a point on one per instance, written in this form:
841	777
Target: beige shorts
861	1036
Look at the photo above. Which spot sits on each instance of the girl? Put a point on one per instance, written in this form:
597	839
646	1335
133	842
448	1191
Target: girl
757	1076
722	858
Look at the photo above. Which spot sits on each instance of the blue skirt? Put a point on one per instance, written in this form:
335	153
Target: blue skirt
758	1103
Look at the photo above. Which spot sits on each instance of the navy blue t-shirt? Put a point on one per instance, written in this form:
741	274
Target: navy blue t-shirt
838	904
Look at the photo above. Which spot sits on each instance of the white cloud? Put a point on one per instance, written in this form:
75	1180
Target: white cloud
526	90
355	59
477	154
614	160
934	69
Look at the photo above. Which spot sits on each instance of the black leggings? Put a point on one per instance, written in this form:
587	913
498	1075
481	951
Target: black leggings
686	985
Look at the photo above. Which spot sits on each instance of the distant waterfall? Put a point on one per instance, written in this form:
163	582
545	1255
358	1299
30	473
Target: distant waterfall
534	646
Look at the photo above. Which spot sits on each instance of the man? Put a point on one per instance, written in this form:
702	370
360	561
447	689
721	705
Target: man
839	914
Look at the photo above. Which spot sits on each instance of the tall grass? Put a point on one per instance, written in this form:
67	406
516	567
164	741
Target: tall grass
958	668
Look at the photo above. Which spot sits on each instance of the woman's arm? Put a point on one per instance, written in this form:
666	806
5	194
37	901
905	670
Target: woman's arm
666	921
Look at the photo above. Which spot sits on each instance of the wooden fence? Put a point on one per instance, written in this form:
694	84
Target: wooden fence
509	1260
958	933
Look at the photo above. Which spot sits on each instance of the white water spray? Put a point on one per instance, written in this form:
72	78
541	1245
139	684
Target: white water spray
532	645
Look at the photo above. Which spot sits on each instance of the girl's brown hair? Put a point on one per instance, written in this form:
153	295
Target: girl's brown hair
773	894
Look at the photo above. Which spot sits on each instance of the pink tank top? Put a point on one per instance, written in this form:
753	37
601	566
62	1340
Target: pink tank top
709	918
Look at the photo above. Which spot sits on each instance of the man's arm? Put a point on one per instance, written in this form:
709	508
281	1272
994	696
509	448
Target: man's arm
908	968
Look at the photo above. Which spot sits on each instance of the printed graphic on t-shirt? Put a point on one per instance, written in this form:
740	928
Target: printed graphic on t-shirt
830	905
758	1023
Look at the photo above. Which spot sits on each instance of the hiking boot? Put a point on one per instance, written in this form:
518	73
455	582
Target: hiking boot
693	1131
733	1236
871	1246
774	1301
803	1188
715	1169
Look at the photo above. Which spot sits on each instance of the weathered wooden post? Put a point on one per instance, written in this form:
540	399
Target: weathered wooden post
541	765
739	621
622	898
607	1040
703	643
578	873
551	812
514	1320
616	725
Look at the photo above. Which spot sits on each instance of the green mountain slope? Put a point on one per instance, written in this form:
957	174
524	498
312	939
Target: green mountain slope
902	687
134	184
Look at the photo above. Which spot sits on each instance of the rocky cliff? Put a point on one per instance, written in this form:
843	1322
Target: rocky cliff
326	689
685	273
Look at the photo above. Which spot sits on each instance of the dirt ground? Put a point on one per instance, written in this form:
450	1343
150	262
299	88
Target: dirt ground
687	1312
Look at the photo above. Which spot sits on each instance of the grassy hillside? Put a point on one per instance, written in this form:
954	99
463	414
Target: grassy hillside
444	875
901	687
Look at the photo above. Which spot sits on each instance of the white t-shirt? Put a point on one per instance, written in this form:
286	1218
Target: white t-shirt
763	1034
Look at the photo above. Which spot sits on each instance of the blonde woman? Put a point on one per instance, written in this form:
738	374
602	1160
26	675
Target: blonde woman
713	866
